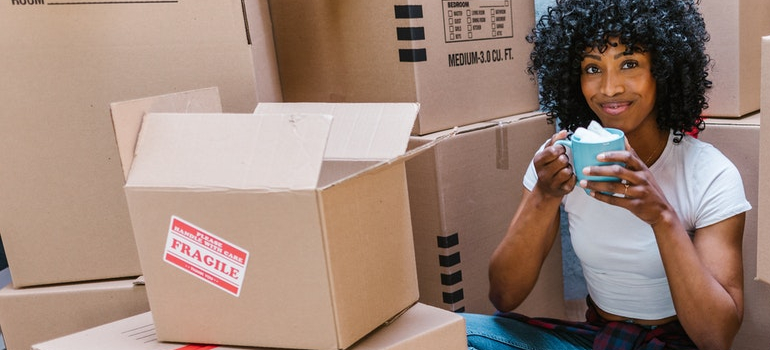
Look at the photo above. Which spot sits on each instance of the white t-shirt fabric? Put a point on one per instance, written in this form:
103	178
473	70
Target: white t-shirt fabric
618	253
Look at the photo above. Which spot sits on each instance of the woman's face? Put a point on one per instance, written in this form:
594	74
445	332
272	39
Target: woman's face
619	87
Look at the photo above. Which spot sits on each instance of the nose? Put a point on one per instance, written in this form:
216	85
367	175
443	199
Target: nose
612	84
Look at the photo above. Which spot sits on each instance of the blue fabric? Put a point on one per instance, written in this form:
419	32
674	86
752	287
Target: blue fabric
513	331
487	332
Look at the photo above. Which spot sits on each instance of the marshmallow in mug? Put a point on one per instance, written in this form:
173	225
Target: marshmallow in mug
594	133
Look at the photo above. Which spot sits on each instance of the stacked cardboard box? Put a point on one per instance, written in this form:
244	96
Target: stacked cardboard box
763	254
463	194
64	216
421	327
760	320
736	28
463	61
32	315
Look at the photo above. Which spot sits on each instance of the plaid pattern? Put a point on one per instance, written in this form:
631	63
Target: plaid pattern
614	335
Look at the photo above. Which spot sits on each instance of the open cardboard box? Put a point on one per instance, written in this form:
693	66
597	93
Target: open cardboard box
254	228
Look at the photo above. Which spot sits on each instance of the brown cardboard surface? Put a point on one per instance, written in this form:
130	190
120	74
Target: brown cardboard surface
463	194
763	234
128	115
64	217
421	327
32	315
736	28
738	139
409	51
260	29
332	260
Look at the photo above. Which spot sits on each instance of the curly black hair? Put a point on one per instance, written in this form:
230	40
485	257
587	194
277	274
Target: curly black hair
673	31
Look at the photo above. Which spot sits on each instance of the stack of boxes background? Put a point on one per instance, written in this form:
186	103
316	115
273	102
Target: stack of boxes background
453	171
64	220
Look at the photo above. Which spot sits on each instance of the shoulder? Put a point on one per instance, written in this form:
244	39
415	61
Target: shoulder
711	179
701	155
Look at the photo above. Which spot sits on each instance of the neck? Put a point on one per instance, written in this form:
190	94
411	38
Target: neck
654	148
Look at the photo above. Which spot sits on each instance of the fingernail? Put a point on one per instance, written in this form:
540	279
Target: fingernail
583	183
600	156
586	170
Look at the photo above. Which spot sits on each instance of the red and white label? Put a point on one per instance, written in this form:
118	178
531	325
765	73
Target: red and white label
206	256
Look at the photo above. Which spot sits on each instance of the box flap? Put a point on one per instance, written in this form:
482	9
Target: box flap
362	131
241	151
127	115
411	153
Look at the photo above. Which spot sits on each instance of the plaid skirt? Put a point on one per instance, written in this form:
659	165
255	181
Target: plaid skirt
616	335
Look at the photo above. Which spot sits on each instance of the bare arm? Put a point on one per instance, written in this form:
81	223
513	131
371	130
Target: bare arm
515	264
705	273
705	277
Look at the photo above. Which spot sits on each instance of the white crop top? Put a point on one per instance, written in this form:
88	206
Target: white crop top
617	251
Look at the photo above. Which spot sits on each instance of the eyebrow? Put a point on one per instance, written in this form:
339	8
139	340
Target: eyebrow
618	55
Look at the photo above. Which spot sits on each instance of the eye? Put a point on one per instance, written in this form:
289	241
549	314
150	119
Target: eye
630	64
591	69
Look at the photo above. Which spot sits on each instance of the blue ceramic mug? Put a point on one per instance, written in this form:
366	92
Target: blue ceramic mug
584	154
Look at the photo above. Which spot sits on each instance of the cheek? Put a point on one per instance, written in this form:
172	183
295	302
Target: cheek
587	87
649	91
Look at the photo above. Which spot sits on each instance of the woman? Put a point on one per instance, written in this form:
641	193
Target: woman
660	250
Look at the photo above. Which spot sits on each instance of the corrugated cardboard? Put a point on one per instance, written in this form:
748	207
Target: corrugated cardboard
32	315
464	62
421	327
763	247
463	194
324	235
127	115
738	139
260	29
64	216
736	28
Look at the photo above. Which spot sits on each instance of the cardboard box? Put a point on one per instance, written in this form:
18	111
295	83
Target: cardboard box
738	139
736	28
421	327
463	194
32	315
64	216
127	115
763	247
464	62
254	227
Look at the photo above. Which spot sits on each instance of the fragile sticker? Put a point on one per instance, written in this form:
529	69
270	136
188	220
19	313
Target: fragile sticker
206	256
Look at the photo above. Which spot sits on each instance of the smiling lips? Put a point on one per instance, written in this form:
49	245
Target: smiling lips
615	108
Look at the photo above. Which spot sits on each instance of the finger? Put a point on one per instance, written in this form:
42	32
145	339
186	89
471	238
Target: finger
561	135
628	157
615	171
552	154
611	188
557	171
569	184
